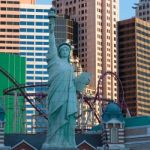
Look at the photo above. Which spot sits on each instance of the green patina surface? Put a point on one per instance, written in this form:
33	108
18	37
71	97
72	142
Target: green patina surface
97	128
15	66
130	122
137	121
113	111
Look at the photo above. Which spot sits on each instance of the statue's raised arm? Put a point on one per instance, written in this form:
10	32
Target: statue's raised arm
52	44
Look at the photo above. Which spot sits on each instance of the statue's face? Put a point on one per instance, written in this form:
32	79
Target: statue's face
64	51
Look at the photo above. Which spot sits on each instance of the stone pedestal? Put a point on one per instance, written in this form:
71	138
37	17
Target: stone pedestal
46	147
60	148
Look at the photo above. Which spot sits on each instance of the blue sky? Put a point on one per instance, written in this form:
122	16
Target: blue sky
126	10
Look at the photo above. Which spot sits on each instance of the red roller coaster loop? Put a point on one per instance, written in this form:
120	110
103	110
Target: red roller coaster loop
98	95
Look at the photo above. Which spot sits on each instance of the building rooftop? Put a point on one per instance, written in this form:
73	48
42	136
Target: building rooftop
137	121
112	111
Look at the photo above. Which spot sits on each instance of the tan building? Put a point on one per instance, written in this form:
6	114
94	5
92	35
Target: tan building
97	29
134	64
9	24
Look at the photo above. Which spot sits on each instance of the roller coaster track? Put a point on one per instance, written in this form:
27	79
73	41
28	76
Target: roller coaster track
98	95
5	73
10	90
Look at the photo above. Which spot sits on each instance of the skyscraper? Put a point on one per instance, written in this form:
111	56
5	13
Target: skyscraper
9	24
134	65
143	10
34	44
97	31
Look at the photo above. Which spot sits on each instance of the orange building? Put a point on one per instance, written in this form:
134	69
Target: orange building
9	24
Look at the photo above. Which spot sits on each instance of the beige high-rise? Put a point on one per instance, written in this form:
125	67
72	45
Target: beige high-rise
134	64
9	24
97	42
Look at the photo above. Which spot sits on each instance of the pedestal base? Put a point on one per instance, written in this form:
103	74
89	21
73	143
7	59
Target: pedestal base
55	148
47	147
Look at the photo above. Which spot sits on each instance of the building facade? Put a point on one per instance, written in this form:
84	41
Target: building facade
134	66
24	30
143	10
9	24
9	28
34	44
97	31
13	105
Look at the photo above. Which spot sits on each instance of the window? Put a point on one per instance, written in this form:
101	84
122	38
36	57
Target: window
114	135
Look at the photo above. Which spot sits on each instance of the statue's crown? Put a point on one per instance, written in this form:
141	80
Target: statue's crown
66	43
52	13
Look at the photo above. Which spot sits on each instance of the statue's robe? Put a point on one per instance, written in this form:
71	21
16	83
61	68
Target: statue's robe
62	103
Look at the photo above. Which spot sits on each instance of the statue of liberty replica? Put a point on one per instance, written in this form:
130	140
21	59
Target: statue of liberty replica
62	89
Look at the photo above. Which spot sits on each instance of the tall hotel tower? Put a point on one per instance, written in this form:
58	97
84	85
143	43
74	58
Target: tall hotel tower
97	42
134	64
9	24
143	10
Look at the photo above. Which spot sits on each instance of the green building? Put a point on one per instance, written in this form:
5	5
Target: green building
13	105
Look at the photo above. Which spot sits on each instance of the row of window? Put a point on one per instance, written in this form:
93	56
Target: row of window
9	30
144	106
37	72
142	94
146	89
143	56
36	82
33	10
37	43
9	47
143	39
9	16
9	23
32	23
32	54
143	62
37	66
144	6
143	33
143	84
9	2
10	42
9	36
9	9
34	16
36	78
143	79
35	37
36	59
143	67
143	51
144	100
36	48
